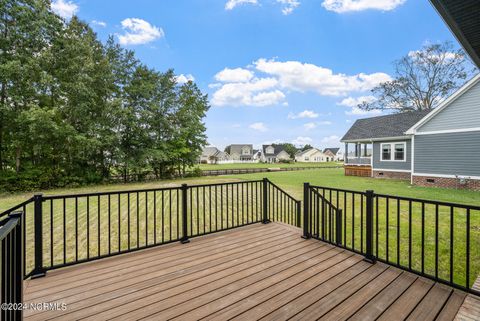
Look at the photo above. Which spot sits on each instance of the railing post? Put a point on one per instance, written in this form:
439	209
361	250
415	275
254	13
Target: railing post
306	208
299	214
369	257
338	226
265	220
19	269
184	214
38	270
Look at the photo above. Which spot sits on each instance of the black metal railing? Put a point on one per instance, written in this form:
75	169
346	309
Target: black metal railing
62	230
438	240
11	274
282	207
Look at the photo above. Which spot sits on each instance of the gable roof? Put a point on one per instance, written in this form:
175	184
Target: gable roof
333	150
462	17
394	125
301	153
277	149
237	148
469	84
209	151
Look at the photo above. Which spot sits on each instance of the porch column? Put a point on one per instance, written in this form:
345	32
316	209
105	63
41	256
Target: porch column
365	150
346	153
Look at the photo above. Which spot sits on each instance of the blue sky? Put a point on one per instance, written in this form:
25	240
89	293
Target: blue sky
275	70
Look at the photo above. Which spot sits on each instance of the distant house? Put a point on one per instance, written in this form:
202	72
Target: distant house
312	155
334	154
240	152
274	154
212	155
436	148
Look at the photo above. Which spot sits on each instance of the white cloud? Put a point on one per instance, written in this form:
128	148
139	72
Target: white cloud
355	101
303	114
233	3
333	140
360	112
138	32
301	141
183	79
342	6
65	9
257	92
243	87
258	126
234	75
303	77
288	6
309	126
99	23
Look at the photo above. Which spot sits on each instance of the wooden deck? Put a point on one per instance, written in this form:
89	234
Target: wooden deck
257	272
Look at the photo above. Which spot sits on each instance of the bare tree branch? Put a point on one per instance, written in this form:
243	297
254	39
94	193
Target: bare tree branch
422	79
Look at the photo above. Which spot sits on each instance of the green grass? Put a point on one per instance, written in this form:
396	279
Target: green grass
266	165
292	182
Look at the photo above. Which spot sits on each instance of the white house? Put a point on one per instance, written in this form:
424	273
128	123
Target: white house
312	155
274	154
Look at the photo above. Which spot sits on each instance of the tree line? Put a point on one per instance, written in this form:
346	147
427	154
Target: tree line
74	110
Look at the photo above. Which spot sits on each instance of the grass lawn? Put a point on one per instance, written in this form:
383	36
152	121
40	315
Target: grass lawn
142	232
263	165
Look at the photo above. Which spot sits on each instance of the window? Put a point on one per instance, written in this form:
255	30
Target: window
400	152
386	152
393	152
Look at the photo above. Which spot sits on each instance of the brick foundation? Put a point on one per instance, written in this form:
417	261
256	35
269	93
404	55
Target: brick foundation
427	181
391	175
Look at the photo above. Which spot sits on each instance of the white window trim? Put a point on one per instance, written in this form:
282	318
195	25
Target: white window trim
392	152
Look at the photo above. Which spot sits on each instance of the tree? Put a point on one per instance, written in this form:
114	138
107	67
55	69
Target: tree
306	147
74	110
421	80
289	148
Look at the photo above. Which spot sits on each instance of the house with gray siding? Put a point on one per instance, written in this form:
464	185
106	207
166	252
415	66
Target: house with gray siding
379	146
446	142
240	152
436	148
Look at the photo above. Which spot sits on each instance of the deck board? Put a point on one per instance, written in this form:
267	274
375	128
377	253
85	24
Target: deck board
255	272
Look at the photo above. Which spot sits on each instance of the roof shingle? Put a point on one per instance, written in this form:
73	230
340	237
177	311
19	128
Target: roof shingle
394	125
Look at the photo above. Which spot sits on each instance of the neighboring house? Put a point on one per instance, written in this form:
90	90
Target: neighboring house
389	146
212	155
436	148
333	154
240	152
312	155
274	154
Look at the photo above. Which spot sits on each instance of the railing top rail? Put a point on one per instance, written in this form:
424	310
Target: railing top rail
283	191
419	200
8	226
337	189
16	207
324	199
404	198
53	197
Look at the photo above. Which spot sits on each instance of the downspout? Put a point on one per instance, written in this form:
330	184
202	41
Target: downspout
371	160
412	169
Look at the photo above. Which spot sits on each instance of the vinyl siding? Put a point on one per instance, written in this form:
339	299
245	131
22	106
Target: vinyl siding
464	112
378	164
448	154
